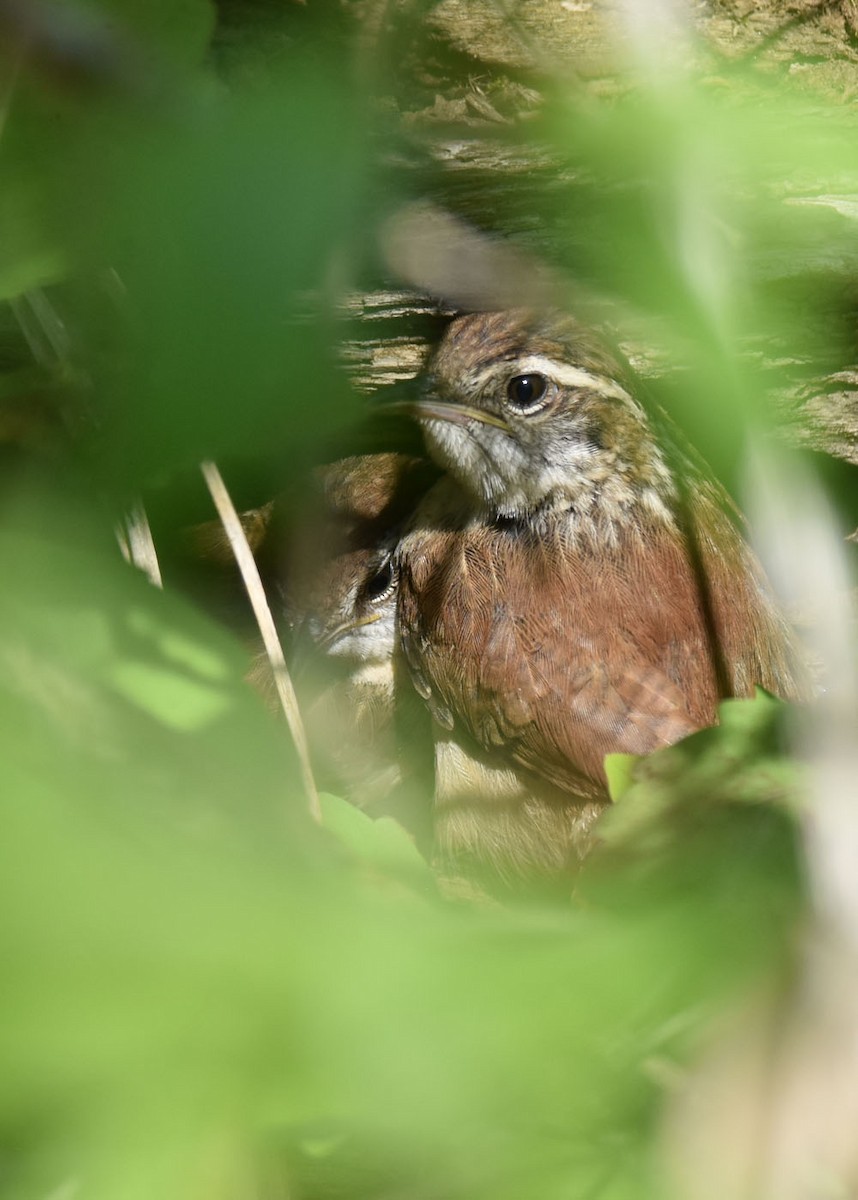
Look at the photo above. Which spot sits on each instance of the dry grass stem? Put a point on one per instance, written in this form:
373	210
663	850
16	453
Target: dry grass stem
259	602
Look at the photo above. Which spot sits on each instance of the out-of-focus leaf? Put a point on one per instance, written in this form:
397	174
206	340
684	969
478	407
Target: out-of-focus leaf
181	29
222	231
182	702
27	260
382	844
679	204
739	761
101	670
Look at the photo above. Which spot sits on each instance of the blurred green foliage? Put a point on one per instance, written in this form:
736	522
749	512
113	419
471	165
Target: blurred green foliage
203	993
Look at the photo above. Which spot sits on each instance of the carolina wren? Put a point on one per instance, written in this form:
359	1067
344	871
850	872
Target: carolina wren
340	599
560	597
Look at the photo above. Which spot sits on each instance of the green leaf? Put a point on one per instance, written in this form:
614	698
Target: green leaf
619	769
672	795
176	700
28	257
382	844
179	29
219	229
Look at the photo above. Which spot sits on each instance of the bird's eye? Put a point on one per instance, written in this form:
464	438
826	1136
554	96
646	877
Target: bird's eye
379	586
524	391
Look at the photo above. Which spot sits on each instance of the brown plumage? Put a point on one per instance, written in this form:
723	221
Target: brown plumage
560	600
340	600
349	516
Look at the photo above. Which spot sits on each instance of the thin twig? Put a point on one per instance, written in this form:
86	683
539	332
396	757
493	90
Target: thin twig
259	602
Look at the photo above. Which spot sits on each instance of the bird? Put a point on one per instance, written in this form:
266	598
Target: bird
574	586
337	589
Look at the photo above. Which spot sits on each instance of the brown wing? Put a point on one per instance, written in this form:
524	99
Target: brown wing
561	660
758	646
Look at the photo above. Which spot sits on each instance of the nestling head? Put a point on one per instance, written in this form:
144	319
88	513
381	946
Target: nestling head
354	615
340	593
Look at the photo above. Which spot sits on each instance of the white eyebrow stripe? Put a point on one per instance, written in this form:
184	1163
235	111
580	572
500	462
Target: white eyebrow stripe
562	373
571	376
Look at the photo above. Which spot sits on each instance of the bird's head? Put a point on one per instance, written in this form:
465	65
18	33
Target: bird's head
339	580
353	616
530	411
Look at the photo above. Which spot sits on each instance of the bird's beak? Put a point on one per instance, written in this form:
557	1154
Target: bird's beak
309	646
331	635
437	410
